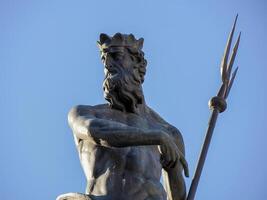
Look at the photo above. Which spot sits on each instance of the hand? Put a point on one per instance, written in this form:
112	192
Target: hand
171	155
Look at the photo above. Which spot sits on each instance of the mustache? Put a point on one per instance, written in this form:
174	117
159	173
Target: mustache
112	81
117	77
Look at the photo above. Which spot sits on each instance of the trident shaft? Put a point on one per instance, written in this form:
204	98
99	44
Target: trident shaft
217	104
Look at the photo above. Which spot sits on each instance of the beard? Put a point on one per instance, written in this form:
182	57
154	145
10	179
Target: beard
123	91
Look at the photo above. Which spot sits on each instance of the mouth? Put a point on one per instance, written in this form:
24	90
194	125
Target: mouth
112	72
110	81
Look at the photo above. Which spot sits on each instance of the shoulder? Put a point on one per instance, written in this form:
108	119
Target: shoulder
84	110
172	130
78	110
155	116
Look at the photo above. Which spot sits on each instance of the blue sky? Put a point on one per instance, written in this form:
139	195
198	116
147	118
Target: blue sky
49	62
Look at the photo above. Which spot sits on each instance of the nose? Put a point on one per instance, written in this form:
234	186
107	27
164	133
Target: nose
107	60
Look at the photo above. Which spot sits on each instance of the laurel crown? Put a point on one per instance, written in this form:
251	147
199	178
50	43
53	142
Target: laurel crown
120	40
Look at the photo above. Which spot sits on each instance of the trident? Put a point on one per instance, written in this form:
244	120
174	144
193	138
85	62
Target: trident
217	104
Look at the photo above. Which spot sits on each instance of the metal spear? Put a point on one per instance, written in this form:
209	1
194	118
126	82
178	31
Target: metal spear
217	105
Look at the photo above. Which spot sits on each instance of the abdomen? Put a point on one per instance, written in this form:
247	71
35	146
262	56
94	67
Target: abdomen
131	173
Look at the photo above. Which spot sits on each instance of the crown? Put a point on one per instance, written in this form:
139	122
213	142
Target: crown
120	40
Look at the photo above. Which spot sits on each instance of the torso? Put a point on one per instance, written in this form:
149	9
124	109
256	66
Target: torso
129	173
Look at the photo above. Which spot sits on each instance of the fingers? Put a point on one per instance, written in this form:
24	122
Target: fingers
183	162
168	164
167	155
185	165
170	159
172	164
170	155
167	158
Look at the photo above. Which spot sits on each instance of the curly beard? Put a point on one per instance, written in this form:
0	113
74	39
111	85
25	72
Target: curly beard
123	91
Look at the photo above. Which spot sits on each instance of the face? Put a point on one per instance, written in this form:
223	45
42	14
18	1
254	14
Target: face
118	57
122	83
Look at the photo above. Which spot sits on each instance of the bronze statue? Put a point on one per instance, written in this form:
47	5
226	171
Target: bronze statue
124	146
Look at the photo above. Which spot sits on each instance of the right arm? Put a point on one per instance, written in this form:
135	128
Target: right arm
111	134
115	134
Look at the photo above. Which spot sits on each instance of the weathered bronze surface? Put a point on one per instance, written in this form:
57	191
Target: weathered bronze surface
124	146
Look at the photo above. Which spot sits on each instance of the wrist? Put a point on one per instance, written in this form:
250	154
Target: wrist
163	137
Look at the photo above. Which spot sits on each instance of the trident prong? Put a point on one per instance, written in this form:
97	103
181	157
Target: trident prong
226	68
231	83
226	52
232	59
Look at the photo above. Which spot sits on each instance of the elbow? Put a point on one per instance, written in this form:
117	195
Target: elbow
73	113
77	123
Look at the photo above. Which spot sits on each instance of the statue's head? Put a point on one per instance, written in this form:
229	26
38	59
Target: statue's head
125	68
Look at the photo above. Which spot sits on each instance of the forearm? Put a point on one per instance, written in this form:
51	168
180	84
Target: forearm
114	134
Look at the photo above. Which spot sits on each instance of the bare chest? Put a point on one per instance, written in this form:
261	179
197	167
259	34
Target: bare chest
140	161
137	160
144	121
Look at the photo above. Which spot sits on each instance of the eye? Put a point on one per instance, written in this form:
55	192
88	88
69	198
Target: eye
117	56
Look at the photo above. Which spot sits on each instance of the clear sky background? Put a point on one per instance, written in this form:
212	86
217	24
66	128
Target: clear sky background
49	62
